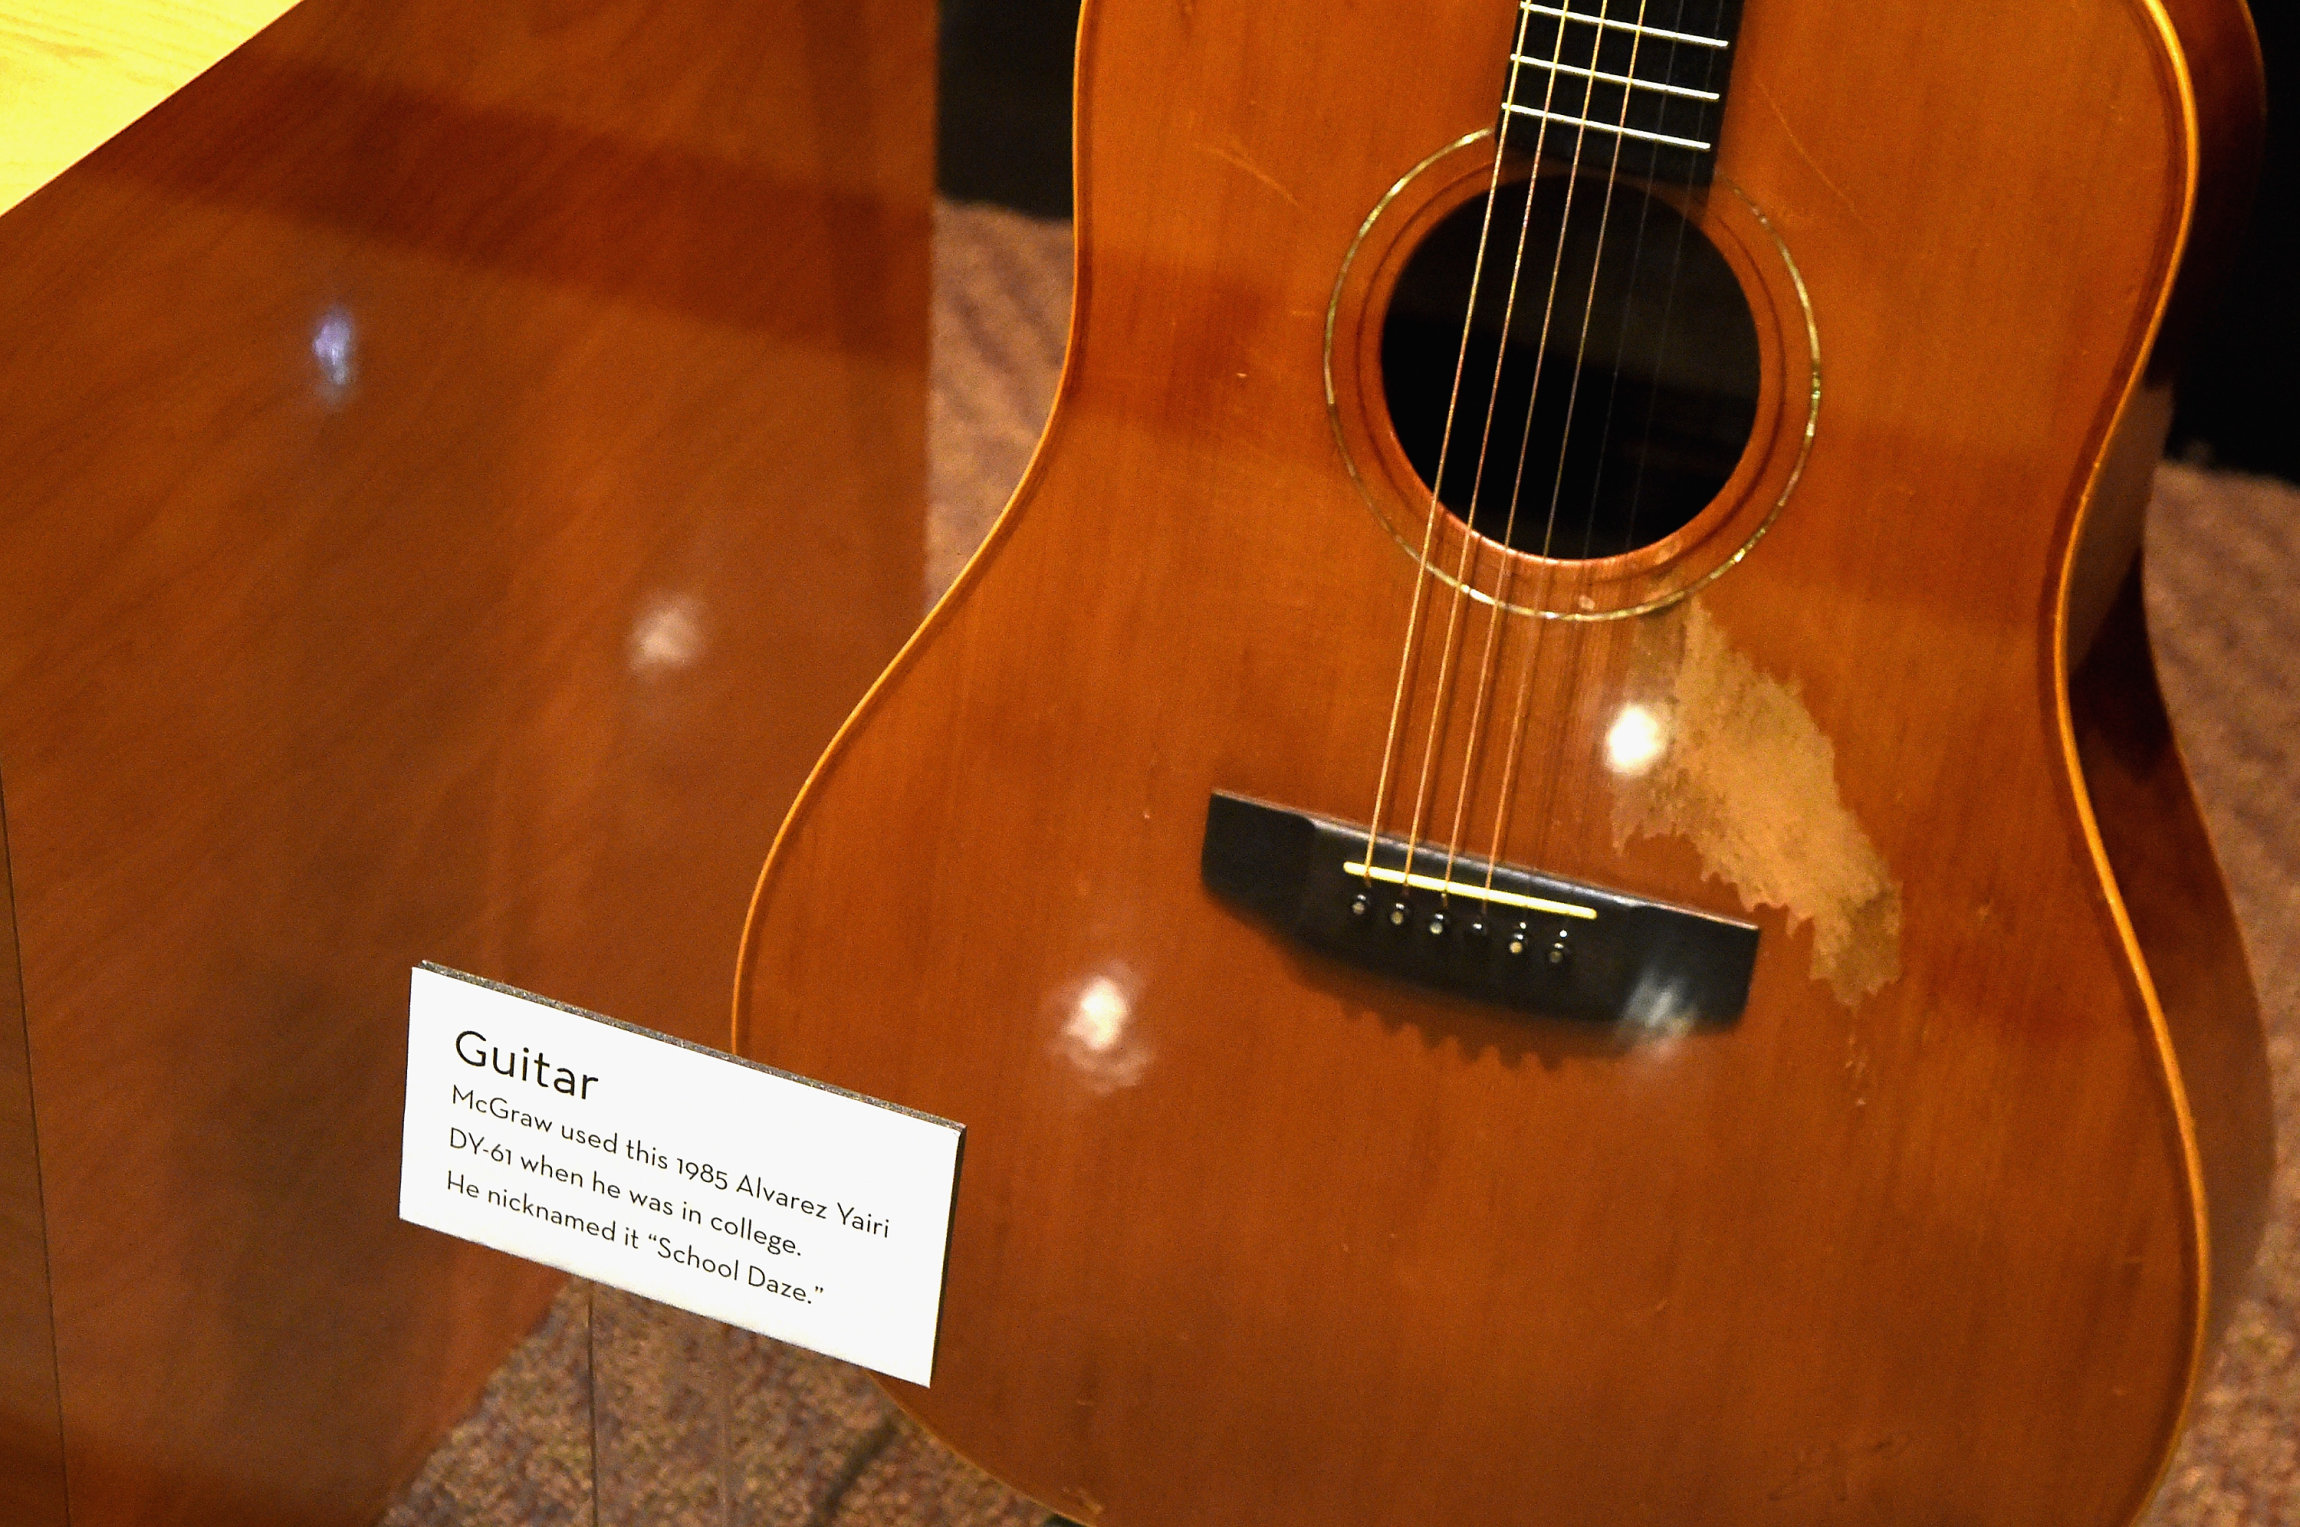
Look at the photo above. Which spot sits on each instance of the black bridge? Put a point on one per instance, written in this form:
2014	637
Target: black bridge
1494	932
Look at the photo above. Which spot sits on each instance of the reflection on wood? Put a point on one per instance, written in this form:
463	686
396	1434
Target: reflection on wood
463	463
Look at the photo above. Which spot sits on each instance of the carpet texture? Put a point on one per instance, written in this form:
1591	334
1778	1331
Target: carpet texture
696	1424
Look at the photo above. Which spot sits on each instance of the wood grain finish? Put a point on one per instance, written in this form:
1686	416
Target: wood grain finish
1246	1236
462	462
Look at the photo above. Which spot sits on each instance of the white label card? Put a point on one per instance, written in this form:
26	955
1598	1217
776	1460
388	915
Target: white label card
754	1197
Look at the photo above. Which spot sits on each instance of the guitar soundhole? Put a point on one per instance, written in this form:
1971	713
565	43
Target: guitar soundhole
1629	420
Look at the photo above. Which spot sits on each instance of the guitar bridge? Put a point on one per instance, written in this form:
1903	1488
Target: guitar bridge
1490	931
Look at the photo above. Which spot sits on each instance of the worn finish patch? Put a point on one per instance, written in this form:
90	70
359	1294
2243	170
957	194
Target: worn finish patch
1747	777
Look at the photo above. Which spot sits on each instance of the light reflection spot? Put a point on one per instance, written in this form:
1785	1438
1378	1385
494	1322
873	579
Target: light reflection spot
1634	741
1657	1013
335	349
667	635
1100	1020
1099	1036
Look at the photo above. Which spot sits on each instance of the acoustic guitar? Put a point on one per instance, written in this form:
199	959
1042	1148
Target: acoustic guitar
1541	853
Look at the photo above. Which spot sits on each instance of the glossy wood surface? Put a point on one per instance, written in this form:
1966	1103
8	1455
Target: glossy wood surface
1246	1236
461	463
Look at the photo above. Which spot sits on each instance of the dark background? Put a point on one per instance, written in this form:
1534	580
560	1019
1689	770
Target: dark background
1004	128
2240	393
1005	138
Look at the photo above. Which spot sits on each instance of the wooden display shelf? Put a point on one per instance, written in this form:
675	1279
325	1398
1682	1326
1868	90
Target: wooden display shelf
461	464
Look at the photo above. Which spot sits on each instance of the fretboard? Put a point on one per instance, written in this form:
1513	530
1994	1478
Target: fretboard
1648	75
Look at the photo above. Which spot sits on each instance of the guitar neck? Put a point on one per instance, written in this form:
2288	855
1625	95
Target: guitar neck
1633	87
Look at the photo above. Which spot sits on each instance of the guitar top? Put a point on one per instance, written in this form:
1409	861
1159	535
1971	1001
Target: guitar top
1540	854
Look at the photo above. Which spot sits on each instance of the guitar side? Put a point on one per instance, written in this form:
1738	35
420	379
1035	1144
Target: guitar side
1245	1233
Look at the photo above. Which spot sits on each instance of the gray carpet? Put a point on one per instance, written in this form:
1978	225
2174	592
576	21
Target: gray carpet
698	1424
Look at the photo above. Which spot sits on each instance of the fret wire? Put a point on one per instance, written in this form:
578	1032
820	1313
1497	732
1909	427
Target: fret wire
1618	79
1626	26
1608	127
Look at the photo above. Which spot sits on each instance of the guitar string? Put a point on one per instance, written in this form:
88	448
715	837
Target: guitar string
1572	688
1669	299
1406	659
1652	152
1488	667
1443	694
1565	437
1546	819
1498	619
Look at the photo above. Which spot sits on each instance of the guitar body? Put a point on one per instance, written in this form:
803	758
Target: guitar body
1931	1231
